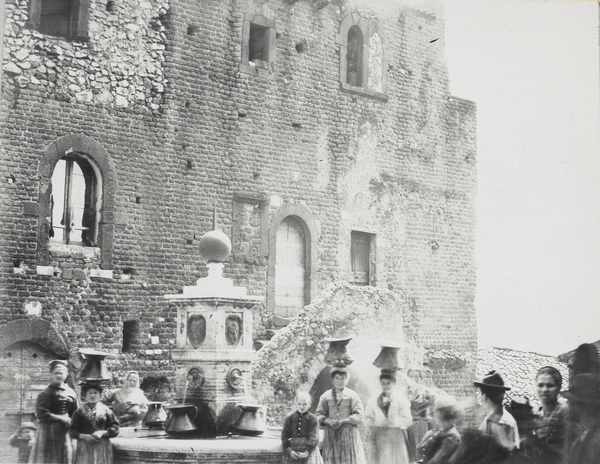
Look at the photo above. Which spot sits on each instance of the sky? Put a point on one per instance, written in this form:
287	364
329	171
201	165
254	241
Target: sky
532	67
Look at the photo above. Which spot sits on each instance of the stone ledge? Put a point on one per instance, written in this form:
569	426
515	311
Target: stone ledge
45	270
101	273
365	92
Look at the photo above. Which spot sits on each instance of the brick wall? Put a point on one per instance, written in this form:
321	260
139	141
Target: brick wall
160	88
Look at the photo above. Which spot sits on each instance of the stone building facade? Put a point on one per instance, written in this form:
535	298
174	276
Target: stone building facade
321	135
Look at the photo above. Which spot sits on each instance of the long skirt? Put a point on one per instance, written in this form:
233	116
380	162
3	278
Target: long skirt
343	445
97	452
415	434
52	444
313	458
387	446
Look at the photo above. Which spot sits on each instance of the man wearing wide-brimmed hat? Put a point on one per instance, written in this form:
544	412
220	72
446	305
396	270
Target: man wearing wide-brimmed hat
584	411
498	421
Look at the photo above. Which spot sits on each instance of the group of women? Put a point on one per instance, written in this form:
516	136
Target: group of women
391	436
92	423
400	431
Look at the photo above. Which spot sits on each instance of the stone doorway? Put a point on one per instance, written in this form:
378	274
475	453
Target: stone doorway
23	376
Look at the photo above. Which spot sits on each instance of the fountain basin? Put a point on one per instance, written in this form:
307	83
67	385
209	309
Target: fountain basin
144	446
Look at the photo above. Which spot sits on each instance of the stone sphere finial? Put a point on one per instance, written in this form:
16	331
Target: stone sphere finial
215	246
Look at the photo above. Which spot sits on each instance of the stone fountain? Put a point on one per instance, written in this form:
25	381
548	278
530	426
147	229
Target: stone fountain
213	355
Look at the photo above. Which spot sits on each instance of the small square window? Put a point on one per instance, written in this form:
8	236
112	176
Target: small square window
67	19
258	43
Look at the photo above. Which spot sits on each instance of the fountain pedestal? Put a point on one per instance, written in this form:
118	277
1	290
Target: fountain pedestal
212	359
214	348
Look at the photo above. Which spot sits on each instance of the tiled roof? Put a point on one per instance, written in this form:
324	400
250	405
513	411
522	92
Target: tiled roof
518	369
569	354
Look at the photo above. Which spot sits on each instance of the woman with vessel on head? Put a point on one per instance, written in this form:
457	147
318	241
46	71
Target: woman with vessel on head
340	411
388	416
55	406
129	402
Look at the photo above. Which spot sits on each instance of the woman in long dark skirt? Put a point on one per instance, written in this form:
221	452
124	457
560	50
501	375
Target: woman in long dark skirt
54	407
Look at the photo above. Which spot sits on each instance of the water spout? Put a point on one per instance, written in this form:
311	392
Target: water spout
187	383
235	379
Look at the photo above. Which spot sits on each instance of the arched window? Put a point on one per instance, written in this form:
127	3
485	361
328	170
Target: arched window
354	57
290	267
75	201
363	62
76	205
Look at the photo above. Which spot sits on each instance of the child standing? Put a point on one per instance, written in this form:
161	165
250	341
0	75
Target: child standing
23	439
92	425
300	434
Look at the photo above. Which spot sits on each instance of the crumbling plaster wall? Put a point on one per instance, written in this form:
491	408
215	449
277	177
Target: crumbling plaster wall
295	356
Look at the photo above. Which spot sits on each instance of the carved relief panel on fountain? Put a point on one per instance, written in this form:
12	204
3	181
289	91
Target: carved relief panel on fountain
196	330
234	327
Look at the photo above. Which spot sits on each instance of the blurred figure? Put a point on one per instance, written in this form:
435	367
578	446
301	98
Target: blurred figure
421	399
584	412
129	403
531	448
498	422
554	425
387	416
23	439
522	412
439	444
584	361
476	447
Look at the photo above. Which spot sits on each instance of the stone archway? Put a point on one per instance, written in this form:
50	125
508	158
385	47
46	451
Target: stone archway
26	347
37	331
294	357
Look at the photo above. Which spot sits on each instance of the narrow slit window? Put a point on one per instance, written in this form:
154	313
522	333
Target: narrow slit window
258	43
361	258
354	57
130	335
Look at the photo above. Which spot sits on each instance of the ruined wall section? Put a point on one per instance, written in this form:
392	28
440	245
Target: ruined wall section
121	65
